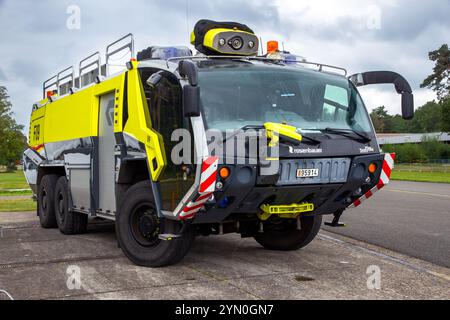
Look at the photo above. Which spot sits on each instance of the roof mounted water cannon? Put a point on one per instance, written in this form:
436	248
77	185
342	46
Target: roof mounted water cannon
226	38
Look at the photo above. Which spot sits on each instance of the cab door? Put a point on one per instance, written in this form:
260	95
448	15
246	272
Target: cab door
165	107
106	166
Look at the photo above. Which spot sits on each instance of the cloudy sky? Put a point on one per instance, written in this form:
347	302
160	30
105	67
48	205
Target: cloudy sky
358	35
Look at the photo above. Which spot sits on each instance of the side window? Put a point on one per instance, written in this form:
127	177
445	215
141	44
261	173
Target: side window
165	107
334	95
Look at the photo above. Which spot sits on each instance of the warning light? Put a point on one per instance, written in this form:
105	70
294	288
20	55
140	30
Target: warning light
272	46
372	168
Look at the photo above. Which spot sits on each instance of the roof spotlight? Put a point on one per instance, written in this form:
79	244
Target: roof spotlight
236	43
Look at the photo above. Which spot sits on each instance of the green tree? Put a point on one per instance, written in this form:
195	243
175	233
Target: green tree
429	117
12	140
439	80
445	104
381	120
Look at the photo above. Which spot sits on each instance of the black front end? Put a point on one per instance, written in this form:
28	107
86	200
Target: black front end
341	181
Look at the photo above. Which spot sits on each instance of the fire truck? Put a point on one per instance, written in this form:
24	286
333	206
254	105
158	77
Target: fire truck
292	141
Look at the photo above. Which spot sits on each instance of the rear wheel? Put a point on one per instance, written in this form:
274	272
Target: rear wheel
45	202
284	235
68	222
138	228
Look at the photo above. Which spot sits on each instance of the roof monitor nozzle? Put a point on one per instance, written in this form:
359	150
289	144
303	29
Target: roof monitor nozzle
224	38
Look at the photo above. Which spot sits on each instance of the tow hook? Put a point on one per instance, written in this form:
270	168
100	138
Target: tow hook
335	223
171	236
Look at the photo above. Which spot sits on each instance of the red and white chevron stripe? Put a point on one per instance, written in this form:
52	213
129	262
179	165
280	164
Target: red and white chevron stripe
209	175
206	189
194	206
385	177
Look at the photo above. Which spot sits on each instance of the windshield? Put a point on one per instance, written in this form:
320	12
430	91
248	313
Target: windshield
245	94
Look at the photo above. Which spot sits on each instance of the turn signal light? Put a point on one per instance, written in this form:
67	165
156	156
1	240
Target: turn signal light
224	172
372	168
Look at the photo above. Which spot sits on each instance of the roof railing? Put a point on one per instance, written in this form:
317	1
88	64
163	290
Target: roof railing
90	65
128	45
86	64
48	84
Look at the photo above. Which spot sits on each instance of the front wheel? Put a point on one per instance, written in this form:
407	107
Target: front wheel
138	227
285	236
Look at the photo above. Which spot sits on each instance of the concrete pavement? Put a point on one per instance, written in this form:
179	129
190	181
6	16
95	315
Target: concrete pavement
34	264
412	218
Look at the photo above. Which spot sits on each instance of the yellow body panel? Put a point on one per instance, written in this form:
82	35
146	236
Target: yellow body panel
139	125
76	115
37	126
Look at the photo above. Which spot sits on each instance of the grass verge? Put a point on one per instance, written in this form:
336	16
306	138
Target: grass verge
14	180
17	205
438	177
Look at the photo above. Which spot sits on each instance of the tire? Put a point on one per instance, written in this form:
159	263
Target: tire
45	202
69	222
138	227
286	237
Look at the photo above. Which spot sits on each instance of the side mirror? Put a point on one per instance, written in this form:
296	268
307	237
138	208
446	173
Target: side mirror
191	101
407	106
191	92
188	69
383	77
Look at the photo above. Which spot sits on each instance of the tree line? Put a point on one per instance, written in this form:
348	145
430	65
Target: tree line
12	140
434	116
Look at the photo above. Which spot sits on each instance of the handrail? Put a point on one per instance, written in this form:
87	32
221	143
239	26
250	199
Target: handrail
45	86
71	75
81	68
129	45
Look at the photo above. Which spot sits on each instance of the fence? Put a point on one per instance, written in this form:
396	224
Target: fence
431	166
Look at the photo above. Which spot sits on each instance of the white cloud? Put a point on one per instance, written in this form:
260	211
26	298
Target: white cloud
375	97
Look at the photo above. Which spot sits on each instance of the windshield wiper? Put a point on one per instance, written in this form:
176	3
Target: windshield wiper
346	132
261	127
244	128
316	141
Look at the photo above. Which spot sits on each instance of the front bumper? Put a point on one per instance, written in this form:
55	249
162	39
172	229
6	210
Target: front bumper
245	191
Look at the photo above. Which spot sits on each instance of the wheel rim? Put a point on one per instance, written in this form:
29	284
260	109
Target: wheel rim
44	200
145	226
60	207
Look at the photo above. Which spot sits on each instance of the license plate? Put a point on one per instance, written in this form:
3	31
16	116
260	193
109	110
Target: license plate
307	173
